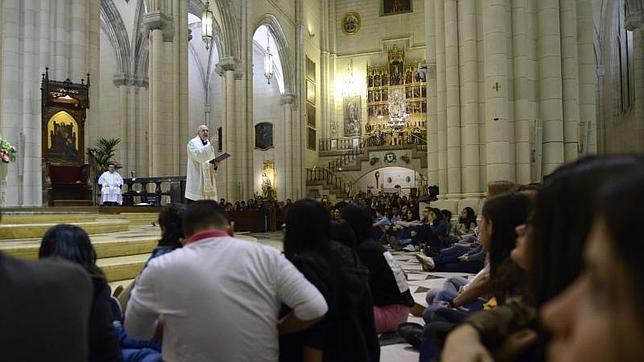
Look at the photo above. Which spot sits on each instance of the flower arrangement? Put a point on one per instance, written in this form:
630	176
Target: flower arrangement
7	151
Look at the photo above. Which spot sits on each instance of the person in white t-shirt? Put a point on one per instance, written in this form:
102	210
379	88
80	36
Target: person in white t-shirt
219	297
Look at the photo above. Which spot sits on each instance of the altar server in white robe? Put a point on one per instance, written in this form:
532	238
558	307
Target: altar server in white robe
200	176
110	183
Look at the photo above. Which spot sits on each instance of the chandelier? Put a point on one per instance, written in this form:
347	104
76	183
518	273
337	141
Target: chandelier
268	59
397	110
207	21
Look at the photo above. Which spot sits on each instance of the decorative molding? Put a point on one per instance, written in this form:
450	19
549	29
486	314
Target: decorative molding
634	18
114	28
157	20
227	64
130	80
287	99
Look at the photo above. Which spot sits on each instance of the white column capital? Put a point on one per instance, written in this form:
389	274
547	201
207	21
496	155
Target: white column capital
287	99
156	20
130	80
227	64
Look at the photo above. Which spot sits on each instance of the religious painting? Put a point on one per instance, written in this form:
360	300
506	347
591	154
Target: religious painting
62	139
310	115
311	138
352	111
264	136
396	66
310	69
351	23
310	92
268	179
394	7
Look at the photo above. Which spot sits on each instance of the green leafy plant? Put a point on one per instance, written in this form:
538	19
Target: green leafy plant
102	155
7	151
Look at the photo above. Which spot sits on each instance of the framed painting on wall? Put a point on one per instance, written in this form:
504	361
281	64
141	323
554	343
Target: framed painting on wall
310	69
394	7
311	137
310	92
264	136
310	115
352	111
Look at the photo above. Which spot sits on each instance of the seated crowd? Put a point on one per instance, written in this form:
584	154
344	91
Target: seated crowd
556	274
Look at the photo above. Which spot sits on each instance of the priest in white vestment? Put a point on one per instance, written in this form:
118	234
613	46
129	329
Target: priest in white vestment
200	176
110	183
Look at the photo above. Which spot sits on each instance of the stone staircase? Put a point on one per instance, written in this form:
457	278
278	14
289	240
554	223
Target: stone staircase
122	241
338	171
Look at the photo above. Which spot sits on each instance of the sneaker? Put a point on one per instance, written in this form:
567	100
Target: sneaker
409	248
427	262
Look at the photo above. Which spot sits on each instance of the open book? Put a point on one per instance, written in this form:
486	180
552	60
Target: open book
220	157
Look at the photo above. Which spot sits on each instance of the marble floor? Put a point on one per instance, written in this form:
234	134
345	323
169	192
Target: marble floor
393	350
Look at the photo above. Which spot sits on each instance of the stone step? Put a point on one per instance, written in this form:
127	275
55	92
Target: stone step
122	267
104	248
48	218
37	230
141	218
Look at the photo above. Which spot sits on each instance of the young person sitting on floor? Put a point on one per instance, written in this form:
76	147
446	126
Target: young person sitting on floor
600	317
347	332
501	215
73	244
391	296
552	256
218	298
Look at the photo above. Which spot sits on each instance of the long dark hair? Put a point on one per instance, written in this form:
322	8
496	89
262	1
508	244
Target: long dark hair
170	221
307	228
72	243
469	219
621	201
564	212
505	212
439	215
360	221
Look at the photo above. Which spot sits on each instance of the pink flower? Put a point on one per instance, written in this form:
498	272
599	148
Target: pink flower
5	158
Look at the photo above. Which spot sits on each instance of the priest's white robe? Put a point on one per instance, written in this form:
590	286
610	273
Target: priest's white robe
111	183
200	176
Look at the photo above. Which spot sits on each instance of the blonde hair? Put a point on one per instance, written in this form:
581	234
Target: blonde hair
498	187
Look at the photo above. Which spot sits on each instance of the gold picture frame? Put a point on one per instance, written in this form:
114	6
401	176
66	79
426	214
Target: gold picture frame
351	23
395	7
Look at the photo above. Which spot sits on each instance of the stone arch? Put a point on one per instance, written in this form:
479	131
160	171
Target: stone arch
274	26
380	168
226	26
114	27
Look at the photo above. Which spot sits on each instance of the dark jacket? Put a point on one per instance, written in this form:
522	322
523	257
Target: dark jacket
44	311
347	332
385	289
103	341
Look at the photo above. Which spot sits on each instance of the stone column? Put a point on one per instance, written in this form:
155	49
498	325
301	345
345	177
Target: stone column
469	98
570	80
525	85
432	122
550	90
226	68
499	132
61	46
441	95
288	147
453	100
121	81
588	76
160	30
78	39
